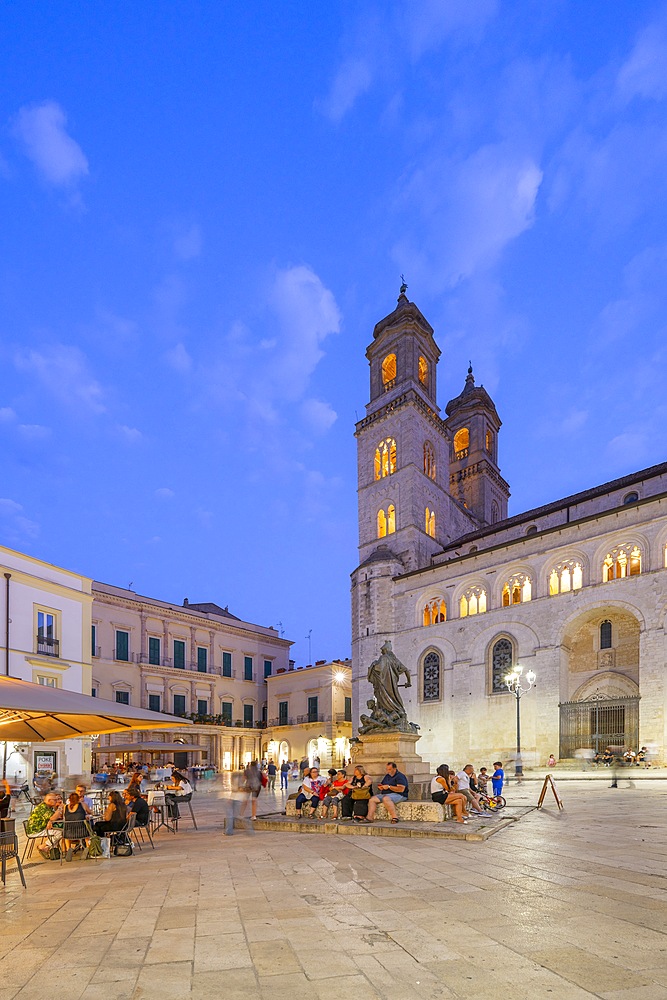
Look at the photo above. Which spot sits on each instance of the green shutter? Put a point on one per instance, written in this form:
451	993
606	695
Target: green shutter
202	659
226	664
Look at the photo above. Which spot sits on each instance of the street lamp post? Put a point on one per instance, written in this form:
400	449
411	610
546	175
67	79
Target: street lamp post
513	683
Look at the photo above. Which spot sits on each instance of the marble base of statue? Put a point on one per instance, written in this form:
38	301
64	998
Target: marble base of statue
375	749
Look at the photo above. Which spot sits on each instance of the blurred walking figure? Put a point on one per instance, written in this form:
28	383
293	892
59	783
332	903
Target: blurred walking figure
253	786
284	775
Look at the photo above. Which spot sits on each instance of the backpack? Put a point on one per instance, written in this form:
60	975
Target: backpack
95	847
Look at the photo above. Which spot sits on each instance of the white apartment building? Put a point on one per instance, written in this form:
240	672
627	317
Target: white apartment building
46	640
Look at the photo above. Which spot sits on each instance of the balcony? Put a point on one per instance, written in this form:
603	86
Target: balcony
282	721
311	717
459	455
343	717
48	646
217	720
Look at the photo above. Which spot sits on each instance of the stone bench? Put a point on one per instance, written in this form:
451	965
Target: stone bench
409	812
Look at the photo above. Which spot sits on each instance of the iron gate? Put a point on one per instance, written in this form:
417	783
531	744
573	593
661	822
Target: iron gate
598	723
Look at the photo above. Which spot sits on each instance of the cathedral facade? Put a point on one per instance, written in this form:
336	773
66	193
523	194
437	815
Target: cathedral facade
575	591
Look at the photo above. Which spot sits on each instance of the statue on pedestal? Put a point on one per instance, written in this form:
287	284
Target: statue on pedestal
387	709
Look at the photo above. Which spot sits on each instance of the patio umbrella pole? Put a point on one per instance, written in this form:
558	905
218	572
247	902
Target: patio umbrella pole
8	577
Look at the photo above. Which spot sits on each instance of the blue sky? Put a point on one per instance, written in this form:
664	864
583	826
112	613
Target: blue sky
205	209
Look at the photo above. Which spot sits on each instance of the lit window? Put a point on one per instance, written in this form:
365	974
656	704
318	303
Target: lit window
435	611
423	370
386	521
621	562
431	677
391	519
461	443
429	460
430	522
565	577
385	458
473	602
517	590
382	524
389	371
502	662
488	442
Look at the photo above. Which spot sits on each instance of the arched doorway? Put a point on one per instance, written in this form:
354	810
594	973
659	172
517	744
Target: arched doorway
604	712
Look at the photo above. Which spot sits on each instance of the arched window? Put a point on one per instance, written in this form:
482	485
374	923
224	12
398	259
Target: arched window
382	524
391	519
631	497
532	530
423	370
429	460
389	371
385	458
473	602
495	512
488	442
517	590
605	635
665	560
564	577
624	560
461	443
430	522
435	611
502	662
431	677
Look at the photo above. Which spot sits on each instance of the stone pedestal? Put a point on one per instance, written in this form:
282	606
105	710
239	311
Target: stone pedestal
376	749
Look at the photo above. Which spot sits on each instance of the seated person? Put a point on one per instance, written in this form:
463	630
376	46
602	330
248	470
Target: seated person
354	804
72	811
334	792
114	816
5	801
137	805
180	786
41	815
310	790
463	778
392	789
442	792
85	799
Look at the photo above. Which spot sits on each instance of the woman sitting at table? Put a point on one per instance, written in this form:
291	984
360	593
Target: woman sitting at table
72	811
114	816
180	787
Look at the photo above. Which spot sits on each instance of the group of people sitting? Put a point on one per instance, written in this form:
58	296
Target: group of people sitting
353	798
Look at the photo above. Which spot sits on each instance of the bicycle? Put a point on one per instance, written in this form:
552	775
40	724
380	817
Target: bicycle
492	802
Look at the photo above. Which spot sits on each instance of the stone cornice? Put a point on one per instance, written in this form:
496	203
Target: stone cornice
408	398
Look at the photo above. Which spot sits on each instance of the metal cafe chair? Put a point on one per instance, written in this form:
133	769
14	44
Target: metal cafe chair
141	830
30	839
9	848
127	830
182	800
79	830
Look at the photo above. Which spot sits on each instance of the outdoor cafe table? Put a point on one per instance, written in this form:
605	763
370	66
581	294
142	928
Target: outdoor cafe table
157	803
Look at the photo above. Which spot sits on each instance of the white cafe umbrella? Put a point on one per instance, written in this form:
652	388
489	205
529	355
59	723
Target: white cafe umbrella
31	713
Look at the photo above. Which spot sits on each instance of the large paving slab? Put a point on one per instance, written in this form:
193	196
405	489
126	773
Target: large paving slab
559	905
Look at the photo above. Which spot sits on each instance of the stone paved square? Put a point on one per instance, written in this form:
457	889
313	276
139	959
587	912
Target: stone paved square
564	906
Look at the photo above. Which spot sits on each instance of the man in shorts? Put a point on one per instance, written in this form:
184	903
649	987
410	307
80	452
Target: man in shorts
393	789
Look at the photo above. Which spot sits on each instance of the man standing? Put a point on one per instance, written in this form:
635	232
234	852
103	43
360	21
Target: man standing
272	771
284	775
393	789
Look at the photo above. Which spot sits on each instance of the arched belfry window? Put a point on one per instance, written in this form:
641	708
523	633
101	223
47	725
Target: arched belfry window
495	512
566	576
429	460
423	370
461	443
430	522
385	458
502	662
517	590
488	442
386	521
624	560
434	611
389	371
605	635
431	670
472	602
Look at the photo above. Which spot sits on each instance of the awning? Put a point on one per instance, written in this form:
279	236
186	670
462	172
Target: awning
152	747
31	713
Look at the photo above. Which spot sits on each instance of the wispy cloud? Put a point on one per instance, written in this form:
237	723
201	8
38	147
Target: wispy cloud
131	435
41	130
353	78
34	432
188	242
178	358
164	493
16	527
7	415
63	372
644	73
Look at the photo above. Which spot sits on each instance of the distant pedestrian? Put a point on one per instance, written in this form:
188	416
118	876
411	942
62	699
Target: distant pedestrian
552	761
284	775
252	786
303	765
498	777
518	768
271	771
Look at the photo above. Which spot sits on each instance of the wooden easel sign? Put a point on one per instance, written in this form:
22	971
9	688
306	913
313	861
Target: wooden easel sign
549	781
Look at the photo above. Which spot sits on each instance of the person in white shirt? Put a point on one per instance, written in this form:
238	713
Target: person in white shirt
463	779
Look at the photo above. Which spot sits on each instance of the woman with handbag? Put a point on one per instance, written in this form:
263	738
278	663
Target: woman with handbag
354	804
